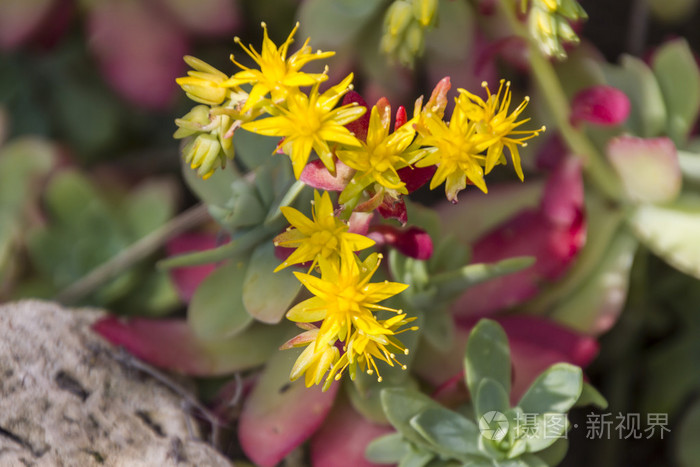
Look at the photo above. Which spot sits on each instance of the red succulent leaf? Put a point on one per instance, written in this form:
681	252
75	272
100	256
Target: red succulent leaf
210	18
165	343
343	439
360	126
553	234
413	242
138	50
416	177
391	208
401	117
601	105
278	415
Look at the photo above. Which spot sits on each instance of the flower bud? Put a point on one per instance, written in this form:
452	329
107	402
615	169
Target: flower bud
425	11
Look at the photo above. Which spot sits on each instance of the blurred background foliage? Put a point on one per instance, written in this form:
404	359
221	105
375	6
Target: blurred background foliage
88	166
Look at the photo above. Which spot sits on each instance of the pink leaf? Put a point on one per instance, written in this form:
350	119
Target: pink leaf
139	51
279	415
601	105
211	18
316	175
343	439
187	279
648	167
20	19
562	201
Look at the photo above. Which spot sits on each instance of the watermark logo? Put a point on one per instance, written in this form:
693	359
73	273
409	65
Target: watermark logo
493	425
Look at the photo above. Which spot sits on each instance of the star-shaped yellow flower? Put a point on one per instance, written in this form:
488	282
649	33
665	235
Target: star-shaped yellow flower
454	151
344	299
362	349
310	122
278	75
320	237
379	158
494	127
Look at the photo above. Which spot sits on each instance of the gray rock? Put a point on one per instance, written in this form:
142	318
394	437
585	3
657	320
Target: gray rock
66	401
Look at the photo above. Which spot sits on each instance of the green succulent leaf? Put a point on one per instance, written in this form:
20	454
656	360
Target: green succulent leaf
449	432
490	396
679	79
387	449
487	356
591	396
451	284
401	405
267	295
671	232
554	391
216	310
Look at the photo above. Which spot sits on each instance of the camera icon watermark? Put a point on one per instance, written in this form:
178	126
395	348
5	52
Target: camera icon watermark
493	425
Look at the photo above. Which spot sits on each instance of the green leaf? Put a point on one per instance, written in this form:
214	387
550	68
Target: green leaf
591	396
647	108
671	232
248	349
149	206
241	243
490	396
216	190
266	294
449	432
487	356
21	163
439	329
387	449
690	165
554	454
679	78
216	310
453	283
687	446
335	23
554	391
401	405
416	458
254	150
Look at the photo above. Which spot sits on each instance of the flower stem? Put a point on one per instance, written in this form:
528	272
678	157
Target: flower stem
137	251
545	76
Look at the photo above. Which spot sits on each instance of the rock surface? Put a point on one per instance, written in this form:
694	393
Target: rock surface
65	400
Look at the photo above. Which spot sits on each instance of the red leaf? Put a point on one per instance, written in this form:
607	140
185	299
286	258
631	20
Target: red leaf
343	439
139	51
413	242
360	126
601	105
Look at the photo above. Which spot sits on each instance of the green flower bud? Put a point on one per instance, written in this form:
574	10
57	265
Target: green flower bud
192	122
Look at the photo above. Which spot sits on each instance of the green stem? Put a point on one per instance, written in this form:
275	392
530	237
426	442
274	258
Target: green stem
134	253
244	242
543	72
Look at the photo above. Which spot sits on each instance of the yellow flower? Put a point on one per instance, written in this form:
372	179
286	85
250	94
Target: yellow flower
278	75
205	84
344	299
320	237
494	127
311	122
379	158
315	360
362	349
453	151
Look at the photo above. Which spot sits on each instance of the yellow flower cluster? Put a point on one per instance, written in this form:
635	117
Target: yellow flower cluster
344	298
269	100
